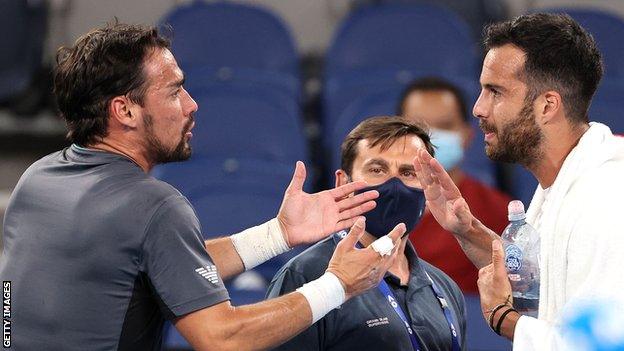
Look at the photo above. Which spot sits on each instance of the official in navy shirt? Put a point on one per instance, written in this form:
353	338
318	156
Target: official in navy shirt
380	151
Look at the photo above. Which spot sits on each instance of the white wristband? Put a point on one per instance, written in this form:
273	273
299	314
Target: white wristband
323	295
260	243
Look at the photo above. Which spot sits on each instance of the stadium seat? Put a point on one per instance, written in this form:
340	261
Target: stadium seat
227	34
238	120
23	24
403	36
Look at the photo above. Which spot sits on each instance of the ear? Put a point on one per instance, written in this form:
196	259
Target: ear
549	107
124	111
341	178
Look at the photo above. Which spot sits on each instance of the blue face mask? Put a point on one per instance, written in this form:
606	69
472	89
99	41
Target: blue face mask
449	151
397	203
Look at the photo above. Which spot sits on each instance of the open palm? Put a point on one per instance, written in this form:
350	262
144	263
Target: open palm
307	218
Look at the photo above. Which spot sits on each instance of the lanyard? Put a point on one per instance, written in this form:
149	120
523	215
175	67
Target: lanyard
389	295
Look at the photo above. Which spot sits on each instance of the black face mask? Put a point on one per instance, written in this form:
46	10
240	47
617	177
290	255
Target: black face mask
397	203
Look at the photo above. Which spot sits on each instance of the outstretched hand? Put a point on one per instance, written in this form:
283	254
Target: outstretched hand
307	218
444	200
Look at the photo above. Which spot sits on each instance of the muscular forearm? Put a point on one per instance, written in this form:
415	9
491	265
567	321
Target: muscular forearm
252	327
225	257
477	243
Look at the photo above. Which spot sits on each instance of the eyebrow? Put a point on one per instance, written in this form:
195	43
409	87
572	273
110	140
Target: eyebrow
406	167
177	83
494	86
378	161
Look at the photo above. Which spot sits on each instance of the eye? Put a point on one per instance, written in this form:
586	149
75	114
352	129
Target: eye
495	92
408	174
376	170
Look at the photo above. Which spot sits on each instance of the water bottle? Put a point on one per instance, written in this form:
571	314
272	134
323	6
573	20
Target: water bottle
522	244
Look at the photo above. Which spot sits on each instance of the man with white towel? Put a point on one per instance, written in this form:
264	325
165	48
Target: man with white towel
538	78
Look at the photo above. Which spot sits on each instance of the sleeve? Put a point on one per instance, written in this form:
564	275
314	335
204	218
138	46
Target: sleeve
176	261
534	334
284	282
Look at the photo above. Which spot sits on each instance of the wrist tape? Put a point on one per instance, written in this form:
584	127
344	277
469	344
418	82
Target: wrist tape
323	294
260	243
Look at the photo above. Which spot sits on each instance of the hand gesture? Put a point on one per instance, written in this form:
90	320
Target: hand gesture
362	269
307	218
493	283
444	200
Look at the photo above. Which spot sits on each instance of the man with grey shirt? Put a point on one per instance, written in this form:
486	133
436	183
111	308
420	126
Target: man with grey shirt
99	253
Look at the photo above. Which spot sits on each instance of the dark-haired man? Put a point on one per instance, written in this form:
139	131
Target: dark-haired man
98	253
538	78
416	306
441	105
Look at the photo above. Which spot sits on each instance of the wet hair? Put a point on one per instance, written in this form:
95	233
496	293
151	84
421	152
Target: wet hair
104	63
560	56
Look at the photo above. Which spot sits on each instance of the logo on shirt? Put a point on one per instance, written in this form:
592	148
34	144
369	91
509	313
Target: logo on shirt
209	272
377	322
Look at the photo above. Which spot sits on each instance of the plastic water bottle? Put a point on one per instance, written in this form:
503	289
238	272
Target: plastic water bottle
522	244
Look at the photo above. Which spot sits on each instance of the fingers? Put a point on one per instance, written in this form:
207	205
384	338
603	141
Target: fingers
356	232
347	189
498	257
397	233
354	212
352	201
299	176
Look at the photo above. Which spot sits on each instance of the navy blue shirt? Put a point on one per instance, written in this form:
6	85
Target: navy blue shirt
367	321
99	254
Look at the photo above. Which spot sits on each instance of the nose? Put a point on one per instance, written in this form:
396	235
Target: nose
190	106
479	109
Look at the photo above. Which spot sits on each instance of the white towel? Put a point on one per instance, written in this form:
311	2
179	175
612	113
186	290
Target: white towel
580	238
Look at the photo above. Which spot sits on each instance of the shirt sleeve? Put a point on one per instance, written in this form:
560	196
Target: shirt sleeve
284	282
176	261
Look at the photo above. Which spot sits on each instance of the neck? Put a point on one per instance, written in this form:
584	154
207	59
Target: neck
555	149
124	148
400	267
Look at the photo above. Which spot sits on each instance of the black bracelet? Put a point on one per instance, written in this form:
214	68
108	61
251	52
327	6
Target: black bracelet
491	319
502	317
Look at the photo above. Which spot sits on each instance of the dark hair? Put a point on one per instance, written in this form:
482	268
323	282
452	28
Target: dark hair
560	56
383	131
429	84
104	63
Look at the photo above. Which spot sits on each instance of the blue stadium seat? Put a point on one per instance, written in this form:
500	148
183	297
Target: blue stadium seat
608	31
479	335
403	36
231	34
23	24
238	120
523	184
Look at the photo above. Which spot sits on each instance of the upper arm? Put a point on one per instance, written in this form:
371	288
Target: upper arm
175	260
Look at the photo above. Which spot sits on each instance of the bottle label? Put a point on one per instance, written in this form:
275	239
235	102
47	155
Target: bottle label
513	258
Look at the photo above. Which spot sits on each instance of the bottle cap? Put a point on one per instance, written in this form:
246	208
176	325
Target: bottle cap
515	210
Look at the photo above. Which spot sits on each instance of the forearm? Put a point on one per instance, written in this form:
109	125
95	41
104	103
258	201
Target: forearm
247	249
269	323
225	257
477	243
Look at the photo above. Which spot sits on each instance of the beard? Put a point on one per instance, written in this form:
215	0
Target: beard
519	141
158	153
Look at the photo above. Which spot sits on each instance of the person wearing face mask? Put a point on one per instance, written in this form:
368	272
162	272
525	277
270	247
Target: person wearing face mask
440	105
416	306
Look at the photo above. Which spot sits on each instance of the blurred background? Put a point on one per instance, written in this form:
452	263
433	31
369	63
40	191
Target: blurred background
279	81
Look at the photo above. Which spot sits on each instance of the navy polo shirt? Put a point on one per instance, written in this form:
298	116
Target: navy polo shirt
367	321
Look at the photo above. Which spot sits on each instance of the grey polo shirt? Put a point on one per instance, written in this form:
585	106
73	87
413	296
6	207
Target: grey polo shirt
367	321
99	254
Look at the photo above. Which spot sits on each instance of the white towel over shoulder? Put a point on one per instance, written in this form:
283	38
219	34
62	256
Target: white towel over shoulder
580	219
